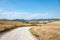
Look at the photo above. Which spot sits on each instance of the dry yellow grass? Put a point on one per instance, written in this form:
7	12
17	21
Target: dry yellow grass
50	31
54	23
6	25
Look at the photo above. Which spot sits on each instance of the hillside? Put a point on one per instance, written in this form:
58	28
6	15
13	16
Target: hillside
6	25
50	31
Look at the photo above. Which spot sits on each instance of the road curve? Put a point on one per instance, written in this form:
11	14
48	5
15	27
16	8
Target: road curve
21	33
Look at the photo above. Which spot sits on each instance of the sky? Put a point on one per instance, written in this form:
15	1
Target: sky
29	9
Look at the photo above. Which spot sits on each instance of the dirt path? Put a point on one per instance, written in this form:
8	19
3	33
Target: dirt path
22	33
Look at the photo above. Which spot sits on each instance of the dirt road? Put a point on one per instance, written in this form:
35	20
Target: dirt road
22	33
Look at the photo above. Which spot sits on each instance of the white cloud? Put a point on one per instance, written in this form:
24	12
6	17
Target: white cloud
21	15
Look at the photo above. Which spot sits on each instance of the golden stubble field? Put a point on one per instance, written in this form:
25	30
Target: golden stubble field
49	31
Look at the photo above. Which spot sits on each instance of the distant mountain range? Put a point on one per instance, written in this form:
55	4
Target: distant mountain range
22	20
43	19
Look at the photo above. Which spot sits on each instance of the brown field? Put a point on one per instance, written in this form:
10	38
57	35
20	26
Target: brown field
6	25
54	23
50	31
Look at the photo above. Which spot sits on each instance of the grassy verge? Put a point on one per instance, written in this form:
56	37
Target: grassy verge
45	33
7	25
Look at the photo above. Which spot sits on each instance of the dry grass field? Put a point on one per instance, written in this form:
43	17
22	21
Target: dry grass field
50	31
6	25
54	23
